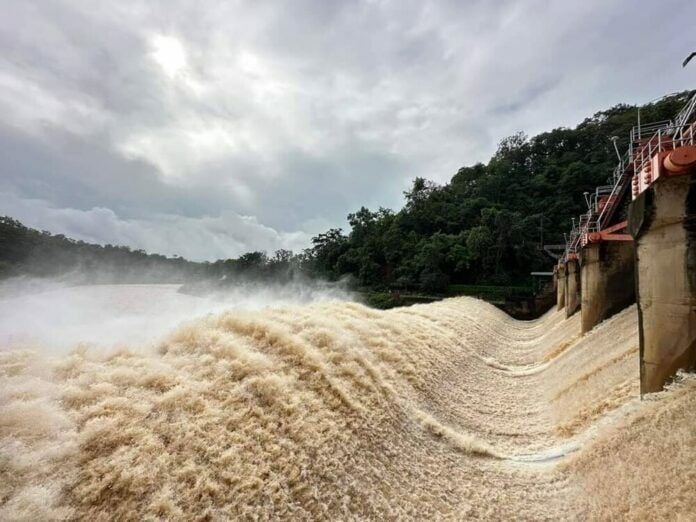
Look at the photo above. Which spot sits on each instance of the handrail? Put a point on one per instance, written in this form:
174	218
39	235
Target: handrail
668	135
685	114
638	132
664	139
645	142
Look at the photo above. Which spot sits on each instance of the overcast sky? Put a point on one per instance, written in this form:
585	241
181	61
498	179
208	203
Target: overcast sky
208	129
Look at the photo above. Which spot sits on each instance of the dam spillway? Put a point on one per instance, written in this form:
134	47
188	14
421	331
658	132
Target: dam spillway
637	243
330	411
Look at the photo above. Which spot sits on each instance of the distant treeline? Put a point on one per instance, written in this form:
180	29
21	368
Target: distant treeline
29	252
483	229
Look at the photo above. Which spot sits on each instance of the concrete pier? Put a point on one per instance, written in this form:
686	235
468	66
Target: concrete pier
663	222
560	287
573	287
607	281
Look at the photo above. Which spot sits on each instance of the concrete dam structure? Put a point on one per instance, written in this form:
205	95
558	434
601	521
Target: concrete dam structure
637	243
331	410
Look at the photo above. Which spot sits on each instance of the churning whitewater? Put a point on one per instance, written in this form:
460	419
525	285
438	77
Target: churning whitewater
336	411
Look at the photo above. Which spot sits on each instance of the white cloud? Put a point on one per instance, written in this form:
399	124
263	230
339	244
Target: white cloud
204	238
169	53
301	112
31	105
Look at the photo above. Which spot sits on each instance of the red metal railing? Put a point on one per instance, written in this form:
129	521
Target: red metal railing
646	141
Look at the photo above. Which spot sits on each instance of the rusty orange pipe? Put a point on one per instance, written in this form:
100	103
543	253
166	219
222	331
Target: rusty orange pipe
680	159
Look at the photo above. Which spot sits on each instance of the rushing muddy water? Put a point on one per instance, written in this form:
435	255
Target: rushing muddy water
336	411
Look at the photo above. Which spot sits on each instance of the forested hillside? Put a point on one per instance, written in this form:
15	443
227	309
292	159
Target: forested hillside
485	225
25	251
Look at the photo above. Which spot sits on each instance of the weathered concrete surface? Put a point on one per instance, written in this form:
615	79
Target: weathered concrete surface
572	284
662	220
560	287
607	279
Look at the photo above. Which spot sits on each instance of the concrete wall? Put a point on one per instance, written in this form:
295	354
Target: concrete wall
663	221
607	281
572	284
560	287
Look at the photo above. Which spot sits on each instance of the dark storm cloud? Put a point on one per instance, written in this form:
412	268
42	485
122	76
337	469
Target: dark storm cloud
208	129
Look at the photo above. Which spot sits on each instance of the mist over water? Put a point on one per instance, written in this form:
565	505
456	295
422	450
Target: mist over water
331	410
54	315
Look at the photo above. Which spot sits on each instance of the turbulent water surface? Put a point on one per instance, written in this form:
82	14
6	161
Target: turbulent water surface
336	411
52	316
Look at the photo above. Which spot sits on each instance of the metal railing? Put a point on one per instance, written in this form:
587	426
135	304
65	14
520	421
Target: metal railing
645	141
685	114
639	132
667	136
621	177
596	217
665	139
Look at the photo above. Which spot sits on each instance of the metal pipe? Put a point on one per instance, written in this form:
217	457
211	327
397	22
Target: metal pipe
614	139
680	160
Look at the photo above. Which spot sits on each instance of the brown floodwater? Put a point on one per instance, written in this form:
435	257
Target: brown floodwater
450	410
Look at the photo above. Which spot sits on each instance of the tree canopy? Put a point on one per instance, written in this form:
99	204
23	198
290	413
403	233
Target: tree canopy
484	226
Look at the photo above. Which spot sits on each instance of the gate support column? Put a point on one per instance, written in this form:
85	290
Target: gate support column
607	279
663	222
572	294
560	286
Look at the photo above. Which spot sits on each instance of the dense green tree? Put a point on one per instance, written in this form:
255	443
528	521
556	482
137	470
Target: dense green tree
483	227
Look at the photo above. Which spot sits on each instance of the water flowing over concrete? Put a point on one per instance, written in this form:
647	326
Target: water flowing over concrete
337	411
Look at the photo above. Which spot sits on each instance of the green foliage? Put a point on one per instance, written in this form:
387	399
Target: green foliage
386	300
479	234
25	251
383	300
490	293
483	227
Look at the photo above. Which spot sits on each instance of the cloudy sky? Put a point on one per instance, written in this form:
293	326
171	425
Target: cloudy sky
208	129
